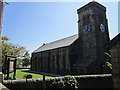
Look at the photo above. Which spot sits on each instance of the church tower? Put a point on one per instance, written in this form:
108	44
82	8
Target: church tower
93	32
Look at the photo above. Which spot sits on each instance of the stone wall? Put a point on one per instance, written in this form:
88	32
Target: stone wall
85	81
52	61
115	58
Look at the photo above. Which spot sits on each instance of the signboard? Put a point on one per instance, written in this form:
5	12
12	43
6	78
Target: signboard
10	66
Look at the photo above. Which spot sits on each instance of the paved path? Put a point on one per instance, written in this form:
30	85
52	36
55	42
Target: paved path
43	73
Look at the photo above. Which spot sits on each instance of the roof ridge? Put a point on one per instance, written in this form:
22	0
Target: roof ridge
61	39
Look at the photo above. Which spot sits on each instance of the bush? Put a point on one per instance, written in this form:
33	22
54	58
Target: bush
66	82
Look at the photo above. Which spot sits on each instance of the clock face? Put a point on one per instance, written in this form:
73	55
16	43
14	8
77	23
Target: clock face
102	27
86	28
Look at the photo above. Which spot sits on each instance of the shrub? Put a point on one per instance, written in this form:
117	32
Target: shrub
66	82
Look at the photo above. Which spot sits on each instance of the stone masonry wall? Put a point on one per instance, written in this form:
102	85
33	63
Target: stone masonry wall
115	58
85	82
52	61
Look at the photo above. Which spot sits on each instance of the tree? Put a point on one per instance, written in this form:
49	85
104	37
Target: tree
5	38
108	62
26	59
13	50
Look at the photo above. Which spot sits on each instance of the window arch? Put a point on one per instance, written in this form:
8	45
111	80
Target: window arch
86	19
101	17
83	20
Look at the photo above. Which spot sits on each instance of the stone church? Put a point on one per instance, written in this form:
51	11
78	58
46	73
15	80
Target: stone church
83	53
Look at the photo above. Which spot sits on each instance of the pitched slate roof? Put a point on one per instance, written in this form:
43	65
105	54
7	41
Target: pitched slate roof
114	40
57	44
83	62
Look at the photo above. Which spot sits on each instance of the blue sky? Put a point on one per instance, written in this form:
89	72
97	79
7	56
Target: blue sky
31	24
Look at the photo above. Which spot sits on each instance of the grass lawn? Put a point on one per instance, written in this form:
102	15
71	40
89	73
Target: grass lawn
20	74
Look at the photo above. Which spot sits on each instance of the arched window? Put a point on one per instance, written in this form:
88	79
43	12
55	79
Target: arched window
83	20
86	20
101	18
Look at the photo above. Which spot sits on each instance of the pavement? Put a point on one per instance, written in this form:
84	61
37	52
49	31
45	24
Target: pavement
43	73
